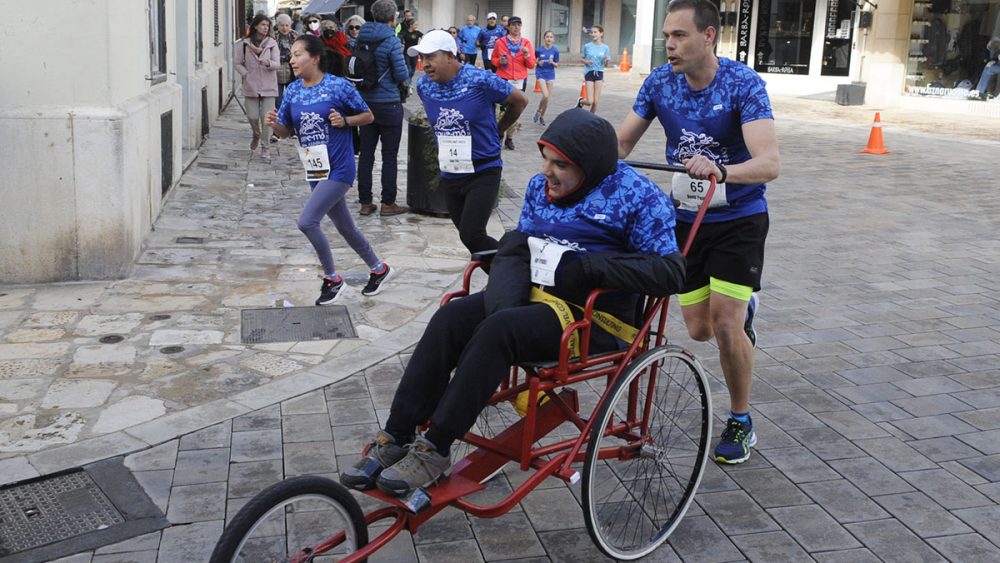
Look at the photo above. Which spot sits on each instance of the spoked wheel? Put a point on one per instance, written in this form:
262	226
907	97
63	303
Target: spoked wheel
300	519
493	419
647	452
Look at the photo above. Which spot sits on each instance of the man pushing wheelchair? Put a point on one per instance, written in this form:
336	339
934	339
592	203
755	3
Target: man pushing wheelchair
589	221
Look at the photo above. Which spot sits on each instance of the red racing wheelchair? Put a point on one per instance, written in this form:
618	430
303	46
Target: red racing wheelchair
639	420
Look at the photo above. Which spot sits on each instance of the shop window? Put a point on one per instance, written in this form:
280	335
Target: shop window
837	37
593	14
558	23
626	31
157	41
950	46
784	36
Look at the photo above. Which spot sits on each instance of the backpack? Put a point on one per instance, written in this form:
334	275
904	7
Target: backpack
361	68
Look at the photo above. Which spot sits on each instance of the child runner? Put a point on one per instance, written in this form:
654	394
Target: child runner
595	55
321	108
547	58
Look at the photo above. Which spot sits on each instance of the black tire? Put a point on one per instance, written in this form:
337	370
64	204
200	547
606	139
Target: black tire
240	544
632	505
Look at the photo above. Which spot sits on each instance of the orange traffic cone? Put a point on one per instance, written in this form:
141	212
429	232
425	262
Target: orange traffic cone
875	142
420	63
583	90
538	86
625	66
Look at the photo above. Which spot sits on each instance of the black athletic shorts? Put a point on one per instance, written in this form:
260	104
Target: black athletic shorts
731	251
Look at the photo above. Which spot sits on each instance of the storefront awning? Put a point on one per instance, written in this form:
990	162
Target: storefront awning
323	6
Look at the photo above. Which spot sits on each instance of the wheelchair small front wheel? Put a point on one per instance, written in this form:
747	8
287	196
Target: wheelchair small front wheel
295	519
647	452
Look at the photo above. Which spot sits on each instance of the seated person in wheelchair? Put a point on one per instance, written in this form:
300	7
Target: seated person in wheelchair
596	223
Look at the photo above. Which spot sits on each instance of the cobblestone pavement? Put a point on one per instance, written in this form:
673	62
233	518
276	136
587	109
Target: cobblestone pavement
876	396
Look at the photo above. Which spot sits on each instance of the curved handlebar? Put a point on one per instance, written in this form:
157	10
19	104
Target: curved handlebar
656	166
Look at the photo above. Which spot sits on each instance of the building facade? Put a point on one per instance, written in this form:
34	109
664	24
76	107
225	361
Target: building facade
919	54
100	110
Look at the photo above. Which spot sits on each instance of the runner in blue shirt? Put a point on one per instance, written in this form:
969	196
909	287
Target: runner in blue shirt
467	38
321	108
595	55
546	62
459	103
488	37
718	122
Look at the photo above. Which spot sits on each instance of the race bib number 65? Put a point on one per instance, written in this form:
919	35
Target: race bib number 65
689	193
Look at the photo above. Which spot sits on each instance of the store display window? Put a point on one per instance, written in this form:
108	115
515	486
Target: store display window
784	36
837	36
954	47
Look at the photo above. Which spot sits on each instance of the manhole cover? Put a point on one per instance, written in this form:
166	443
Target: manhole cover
111	339
54	516
47	511
171	349
189	240
295	324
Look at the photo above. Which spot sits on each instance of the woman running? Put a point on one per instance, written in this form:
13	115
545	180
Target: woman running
595	55
321	108
547	60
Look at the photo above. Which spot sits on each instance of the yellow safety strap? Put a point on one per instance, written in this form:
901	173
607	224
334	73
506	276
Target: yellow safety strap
612	324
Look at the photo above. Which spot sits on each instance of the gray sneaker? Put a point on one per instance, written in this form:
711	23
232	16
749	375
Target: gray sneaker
422	467
379	454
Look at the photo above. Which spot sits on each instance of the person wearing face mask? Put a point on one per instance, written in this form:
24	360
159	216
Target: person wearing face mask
312	24
631	251
334	39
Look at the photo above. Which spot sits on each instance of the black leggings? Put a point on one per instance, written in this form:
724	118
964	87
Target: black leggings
481	350
470	201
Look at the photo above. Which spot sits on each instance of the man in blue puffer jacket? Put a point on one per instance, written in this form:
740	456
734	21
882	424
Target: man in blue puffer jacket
384	101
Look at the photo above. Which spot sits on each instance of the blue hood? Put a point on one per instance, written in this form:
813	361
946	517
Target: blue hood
372	32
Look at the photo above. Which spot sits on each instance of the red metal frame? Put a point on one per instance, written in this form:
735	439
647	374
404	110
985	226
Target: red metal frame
539	420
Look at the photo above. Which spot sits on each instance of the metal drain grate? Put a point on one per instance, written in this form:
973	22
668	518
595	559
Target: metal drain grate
55	509
51	517
295	324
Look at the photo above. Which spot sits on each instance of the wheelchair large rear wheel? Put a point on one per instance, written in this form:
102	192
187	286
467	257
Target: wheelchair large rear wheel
647	452
299	519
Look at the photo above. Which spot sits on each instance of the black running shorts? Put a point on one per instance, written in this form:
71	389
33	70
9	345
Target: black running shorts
731	251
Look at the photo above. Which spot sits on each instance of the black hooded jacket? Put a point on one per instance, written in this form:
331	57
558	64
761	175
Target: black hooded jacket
590	143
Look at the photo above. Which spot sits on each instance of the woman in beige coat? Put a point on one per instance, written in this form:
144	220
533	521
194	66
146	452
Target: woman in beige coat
257	60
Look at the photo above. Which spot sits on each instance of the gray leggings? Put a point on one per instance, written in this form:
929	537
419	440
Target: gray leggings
328	199
257	108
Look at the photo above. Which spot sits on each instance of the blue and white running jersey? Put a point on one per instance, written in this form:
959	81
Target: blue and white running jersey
626	212
307	110
464	106
709	122
544	58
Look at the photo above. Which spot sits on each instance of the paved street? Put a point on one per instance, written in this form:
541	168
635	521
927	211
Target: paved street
876	395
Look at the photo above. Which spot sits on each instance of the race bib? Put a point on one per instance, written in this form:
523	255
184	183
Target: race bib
455	154
316	162
489	53
545	257
689	193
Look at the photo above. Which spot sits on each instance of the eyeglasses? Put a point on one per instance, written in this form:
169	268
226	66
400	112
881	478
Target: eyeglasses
354	27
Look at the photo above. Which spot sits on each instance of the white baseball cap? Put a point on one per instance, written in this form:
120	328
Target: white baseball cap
491	15
432	41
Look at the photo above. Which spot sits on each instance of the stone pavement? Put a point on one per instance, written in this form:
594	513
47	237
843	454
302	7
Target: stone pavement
876	397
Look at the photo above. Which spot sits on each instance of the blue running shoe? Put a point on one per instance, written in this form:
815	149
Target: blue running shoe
737	439
748	323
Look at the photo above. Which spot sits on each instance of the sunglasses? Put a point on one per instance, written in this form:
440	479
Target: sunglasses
354	27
